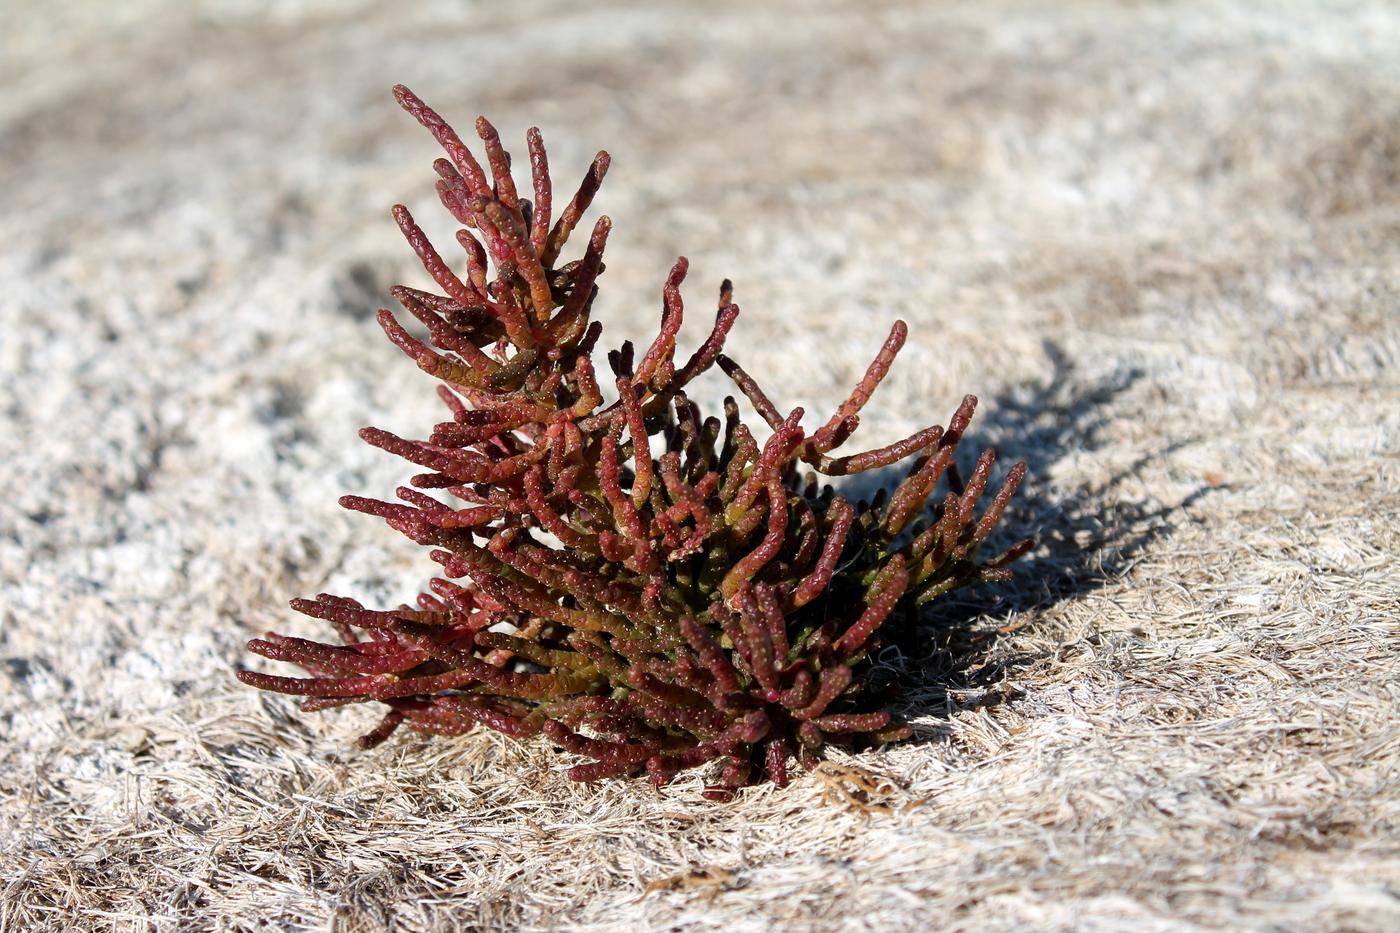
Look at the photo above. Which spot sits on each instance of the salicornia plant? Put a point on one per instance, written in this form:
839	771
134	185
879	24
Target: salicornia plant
651	588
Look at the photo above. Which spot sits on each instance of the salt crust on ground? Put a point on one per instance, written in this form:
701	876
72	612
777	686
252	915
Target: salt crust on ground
1160	241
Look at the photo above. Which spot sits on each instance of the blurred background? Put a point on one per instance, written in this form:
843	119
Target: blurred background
1158	239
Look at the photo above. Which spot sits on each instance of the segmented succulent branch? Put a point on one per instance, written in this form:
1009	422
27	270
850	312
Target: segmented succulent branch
650	588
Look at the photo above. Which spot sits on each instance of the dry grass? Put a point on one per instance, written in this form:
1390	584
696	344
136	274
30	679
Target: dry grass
1161	241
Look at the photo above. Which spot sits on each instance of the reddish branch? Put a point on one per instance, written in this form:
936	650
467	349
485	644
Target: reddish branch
650	589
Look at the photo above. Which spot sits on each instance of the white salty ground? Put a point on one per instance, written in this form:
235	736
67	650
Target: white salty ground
1160	240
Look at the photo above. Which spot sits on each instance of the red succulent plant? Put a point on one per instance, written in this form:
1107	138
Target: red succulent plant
650	588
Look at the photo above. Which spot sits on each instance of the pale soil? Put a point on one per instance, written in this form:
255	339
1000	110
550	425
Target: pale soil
1161	241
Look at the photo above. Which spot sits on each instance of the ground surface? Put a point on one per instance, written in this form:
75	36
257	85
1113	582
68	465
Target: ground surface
1161	241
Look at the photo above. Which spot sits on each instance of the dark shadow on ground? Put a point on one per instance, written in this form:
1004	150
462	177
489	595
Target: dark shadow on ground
1087	535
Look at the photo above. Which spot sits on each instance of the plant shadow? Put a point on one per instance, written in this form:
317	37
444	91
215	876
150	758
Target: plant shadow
1087	535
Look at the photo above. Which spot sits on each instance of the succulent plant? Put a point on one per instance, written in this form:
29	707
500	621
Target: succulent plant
650	588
